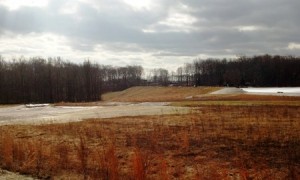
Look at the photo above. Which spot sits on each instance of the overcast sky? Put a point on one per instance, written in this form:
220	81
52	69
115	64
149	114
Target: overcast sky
151	33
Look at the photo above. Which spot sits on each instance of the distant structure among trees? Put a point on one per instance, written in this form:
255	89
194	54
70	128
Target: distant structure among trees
261	71
37	80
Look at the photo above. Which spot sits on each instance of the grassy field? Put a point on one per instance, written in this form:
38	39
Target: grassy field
215	141
235	103
239	100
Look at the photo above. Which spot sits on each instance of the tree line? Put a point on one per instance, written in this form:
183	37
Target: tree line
257	71
260	71
120	78
39	80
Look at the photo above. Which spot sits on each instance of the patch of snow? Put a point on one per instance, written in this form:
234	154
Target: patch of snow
36	105
273	90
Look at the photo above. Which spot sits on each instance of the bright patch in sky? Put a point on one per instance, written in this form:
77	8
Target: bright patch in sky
34	44
179	20
139	4
16	4
174	22
70	7
294	46
247	28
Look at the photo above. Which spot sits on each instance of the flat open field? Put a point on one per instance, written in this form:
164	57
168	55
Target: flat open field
214	141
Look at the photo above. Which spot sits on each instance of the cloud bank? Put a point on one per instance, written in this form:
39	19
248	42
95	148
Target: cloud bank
151	33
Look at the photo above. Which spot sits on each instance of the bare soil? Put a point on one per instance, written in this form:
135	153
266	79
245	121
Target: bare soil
61	114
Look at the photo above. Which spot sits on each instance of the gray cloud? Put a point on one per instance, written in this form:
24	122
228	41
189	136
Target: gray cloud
179	29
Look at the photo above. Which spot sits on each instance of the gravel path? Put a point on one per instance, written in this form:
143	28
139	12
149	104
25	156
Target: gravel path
60	114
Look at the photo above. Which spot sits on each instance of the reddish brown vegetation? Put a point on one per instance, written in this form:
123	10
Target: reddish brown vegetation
214	142
247	97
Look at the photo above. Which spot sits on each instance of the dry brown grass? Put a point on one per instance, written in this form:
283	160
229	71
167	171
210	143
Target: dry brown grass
235	103
157	94
240	100
213	142
246	97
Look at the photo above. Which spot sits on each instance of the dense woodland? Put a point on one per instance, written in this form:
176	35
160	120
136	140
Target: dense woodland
38	80
257	71
260	71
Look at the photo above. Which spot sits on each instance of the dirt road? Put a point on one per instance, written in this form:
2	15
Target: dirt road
60	114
